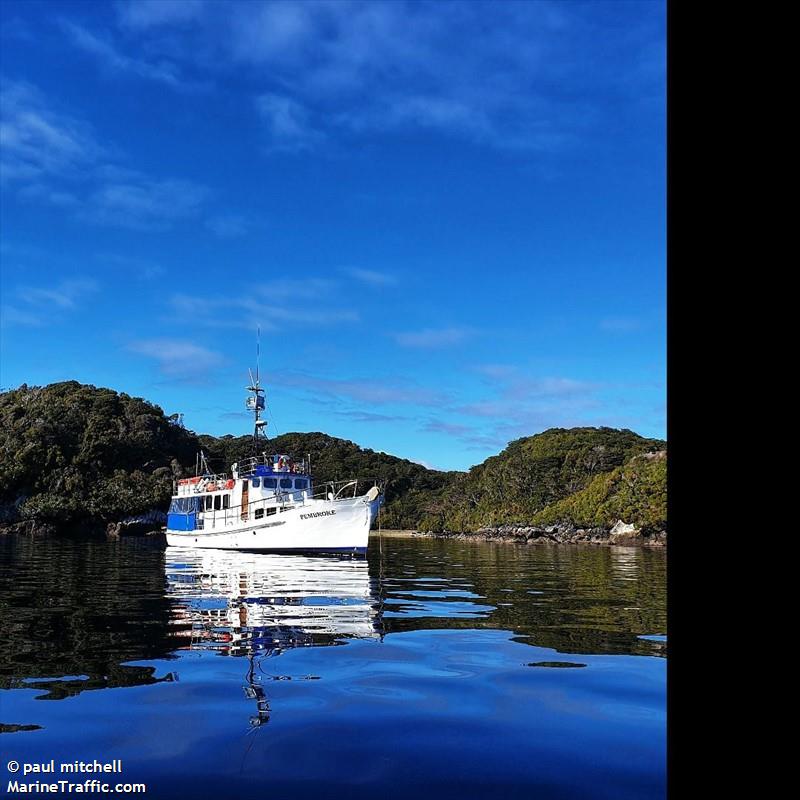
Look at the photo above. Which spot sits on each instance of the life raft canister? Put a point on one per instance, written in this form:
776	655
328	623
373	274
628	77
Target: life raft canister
229	484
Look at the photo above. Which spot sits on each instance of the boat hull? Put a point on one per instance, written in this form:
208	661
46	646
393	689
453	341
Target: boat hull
330	526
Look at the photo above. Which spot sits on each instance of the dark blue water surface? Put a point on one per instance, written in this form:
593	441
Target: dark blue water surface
431	668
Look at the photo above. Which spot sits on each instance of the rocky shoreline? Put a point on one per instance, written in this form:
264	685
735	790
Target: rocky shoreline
620	534
150	524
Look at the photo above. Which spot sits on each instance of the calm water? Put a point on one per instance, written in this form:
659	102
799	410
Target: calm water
432	668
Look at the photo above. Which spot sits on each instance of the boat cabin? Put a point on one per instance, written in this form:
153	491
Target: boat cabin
260	486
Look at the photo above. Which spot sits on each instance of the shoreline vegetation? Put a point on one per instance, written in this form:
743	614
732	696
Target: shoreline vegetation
77	460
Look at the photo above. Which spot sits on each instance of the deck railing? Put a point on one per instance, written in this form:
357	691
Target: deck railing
247	466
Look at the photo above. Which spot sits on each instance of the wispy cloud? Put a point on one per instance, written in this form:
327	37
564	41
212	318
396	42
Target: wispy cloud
114	60
228	226
287	123
371	277
370	417
37	306
37	141
142	268
146	14
11	316
143	204
178	359
373	391
51	158
519	405
433	337
273	306
62	295
335	69
450	428
620	324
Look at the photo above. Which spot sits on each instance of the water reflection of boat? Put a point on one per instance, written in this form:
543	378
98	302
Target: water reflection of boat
257	605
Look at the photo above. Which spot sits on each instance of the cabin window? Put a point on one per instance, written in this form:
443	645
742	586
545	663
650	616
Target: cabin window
217	502
286	483
209	502
259	513
300	483
270	483
271	511
226	501
256	482
185	505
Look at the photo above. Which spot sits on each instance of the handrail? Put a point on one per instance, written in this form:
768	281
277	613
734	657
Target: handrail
247	466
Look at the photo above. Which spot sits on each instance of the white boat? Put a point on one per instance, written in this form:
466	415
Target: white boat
269	503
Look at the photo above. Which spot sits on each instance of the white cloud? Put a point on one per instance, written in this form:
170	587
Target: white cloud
146	14
178	359
63	295
492	76
41	305
38	142
287	123
273	306
433	337
371	277
51	158
372	391
620	324
112	59
145	204
228	225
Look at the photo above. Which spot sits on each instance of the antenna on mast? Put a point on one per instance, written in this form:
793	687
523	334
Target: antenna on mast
256	402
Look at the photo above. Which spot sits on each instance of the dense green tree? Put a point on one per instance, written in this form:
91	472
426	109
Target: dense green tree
71	453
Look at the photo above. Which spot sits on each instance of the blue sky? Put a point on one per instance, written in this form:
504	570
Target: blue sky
447	218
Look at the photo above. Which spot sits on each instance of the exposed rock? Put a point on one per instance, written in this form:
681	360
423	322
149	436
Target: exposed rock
148	524
624	532
29	527
620	534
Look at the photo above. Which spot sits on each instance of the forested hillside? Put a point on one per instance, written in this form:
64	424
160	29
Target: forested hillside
71	453
77	456
530	481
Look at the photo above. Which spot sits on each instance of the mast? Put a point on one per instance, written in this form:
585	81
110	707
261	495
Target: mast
256	402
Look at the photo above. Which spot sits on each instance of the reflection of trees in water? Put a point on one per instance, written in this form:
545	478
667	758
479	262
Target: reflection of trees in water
588	599
84	609
81	609
59	689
